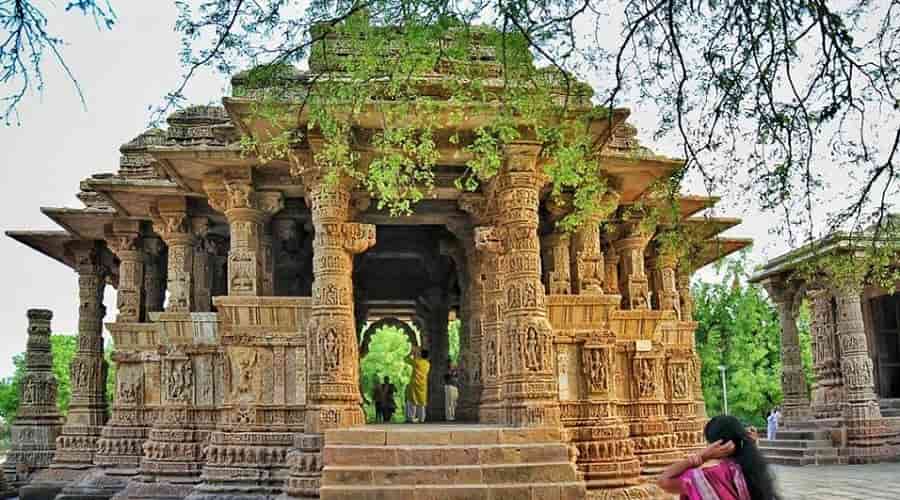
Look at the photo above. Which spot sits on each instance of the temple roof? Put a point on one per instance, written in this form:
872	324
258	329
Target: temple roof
49	243
835	242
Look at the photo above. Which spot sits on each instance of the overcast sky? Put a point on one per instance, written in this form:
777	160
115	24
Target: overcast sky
122	72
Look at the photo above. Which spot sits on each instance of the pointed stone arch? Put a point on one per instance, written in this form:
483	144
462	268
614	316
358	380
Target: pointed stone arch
387	321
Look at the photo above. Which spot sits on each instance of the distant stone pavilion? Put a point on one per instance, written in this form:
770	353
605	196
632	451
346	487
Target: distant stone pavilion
246	291
852	412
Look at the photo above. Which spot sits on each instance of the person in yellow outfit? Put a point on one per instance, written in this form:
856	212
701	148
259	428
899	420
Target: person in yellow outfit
417	389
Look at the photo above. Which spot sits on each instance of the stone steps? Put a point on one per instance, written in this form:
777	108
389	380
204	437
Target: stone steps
407	462
800	447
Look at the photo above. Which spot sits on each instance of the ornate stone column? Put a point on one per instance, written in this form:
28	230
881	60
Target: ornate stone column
634	284
793	380
828	387
38	422
611	265
669	297
267	260
125	243
247	211
488	305
334	356
469	266
867	432
76	446
436	318
201	270
558	269
173	225
154	274
528	379
589	270
684	291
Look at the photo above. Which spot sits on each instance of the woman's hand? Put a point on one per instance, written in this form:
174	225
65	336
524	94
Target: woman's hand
719	449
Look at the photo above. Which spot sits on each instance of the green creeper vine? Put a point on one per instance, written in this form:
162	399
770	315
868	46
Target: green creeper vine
416	81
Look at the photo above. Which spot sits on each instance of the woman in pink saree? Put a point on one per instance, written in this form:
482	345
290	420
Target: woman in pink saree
731	468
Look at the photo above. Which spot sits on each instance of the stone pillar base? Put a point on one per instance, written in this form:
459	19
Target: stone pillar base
870	441
48	483
642	492
138	489
244	466
96	484
305	461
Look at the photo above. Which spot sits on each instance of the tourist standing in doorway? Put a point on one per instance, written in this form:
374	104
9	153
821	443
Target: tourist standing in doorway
417	389
451	395
384	401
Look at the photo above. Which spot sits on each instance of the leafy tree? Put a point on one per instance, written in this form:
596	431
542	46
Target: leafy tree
763	97
453	334
739	328
25	40
387	356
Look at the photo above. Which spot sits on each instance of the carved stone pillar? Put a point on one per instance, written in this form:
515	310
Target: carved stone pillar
669	297
267	264
611	264
867	432
529	383
684	292
633	283
793	379
828	387
469	267
154	275
76	446
202	275
334	357
437	315
38	422
247	211
125	243
173	226
588	266
558	268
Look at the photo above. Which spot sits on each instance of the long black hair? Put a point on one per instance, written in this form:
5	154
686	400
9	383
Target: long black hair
754	466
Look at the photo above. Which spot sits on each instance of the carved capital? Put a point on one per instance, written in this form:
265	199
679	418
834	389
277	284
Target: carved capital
171	224
227	194
358	237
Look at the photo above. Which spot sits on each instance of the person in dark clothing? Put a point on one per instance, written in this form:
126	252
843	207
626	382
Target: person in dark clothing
384	401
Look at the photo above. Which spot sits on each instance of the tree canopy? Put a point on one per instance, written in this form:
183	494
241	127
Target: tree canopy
764	97
738	327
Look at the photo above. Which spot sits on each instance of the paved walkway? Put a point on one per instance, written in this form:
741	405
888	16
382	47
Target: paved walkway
844	482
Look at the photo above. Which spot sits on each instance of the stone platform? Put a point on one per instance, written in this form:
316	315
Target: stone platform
452	461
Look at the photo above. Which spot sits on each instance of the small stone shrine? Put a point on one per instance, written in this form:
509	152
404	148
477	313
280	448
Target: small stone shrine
852	411
246	289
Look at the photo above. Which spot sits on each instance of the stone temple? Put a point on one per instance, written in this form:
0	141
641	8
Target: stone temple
245	288
851	414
